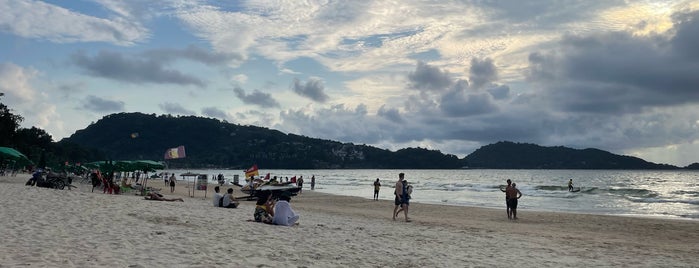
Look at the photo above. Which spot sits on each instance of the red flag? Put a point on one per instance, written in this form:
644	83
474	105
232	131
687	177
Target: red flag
267	177
252	171
174	153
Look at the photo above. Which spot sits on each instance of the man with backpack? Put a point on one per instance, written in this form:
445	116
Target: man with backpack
402	198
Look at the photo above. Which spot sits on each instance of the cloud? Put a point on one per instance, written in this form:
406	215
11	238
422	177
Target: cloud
240	78
214	112
97	104
482	72
617	72
15	83
193	53
426	77
264	100
115	66
36	19
175	108
312	89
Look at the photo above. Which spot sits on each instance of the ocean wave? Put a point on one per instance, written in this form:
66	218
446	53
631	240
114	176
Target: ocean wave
657	200
635	192
689	193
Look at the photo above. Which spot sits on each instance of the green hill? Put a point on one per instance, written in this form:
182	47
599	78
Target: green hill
510	155
213	143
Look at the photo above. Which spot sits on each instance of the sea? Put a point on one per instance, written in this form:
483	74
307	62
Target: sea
661	194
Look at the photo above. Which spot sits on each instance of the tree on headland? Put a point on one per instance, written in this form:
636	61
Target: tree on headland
9	123
36	143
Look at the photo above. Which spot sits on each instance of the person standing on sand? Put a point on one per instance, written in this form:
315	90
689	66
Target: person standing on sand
313	182
507	199
377	187
512	194
300	184
172	183
401	198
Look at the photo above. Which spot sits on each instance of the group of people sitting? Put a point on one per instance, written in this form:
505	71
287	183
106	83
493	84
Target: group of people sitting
267	210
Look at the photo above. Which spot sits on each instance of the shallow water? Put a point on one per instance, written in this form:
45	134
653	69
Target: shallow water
667	194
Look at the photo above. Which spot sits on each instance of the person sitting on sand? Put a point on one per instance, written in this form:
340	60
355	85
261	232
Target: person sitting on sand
125	183
159	197
283	214
228	200
218	197
264	209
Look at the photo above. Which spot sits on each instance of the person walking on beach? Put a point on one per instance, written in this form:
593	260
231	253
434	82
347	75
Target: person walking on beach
377	187
401	198
172	183
570	185
300	184
407	191
313	182
512	195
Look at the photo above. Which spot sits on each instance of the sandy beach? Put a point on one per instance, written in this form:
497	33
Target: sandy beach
42	227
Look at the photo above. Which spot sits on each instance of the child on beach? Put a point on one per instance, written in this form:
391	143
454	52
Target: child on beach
228	200
264	209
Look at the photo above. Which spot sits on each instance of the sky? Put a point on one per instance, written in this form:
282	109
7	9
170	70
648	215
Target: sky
621	76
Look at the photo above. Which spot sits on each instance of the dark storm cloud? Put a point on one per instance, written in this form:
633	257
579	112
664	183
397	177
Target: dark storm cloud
619	72
686	40
499	91
192	53
214	112
457	104
97	104
391	114
113	65
482	72
264	100
175	108
429	78
312	89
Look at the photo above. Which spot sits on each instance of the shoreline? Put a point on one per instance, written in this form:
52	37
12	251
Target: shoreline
75	229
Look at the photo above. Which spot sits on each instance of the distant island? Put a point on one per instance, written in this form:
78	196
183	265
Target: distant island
212	143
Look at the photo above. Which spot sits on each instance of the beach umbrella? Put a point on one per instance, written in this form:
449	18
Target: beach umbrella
12	154
148	165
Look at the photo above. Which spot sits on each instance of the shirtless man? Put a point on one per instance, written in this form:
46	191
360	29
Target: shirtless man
401	198
511	195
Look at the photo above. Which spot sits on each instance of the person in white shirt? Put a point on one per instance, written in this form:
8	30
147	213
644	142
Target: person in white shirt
217	197
228	200
283	214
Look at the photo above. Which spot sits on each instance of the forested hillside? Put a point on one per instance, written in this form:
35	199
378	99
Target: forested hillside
214	143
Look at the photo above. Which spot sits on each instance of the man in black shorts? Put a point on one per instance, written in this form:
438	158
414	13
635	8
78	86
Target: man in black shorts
511	196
